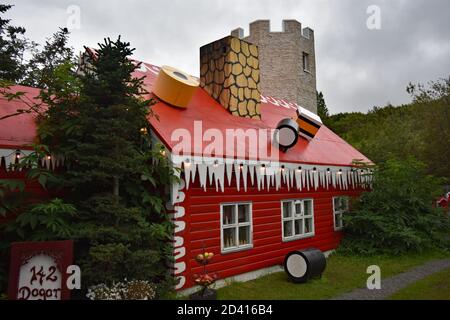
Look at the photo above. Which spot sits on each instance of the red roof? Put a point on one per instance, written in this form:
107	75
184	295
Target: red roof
326	148
19	130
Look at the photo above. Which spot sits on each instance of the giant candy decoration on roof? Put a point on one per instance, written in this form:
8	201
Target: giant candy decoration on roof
308	122
174	86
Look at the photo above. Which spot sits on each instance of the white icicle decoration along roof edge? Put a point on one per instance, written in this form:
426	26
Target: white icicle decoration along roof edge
218	172
10	158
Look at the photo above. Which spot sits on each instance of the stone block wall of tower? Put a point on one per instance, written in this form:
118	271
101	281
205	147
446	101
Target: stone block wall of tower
281	61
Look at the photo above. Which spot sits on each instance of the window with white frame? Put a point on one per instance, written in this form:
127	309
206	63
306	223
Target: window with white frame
340	206
297	219
236	226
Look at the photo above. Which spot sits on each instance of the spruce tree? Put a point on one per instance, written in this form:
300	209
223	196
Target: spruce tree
322	109
41	67
115	177
13	45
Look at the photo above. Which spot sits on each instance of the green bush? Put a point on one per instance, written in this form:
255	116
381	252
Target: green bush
115	177
398	214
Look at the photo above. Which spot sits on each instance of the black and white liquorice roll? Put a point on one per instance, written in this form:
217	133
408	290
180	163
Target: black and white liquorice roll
303	265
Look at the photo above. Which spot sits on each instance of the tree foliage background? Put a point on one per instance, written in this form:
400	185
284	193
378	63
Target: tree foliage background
420	129
13	45
410	145
396	216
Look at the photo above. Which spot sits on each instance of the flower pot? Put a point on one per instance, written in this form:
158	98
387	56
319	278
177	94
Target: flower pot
208	294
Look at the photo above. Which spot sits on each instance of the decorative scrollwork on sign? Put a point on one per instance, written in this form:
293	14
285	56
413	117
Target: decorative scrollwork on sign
38	270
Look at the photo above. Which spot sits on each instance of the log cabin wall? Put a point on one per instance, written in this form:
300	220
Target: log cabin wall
203	227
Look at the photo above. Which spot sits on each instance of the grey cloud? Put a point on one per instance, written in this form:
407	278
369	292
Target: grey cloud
356	68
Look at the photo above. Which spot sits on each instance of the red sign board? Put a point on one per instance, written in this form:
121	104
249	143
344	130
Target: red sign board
38	270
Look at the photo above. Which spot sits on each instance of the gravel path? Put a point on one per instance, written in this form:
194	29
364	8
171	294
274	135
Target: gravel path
393	284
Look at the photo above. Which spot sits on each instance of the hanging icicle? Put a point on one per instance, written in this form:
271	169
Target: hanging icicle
214	172
251	171
344	179
211	167
259	172
244	169
316	180
298	179
338	179
193	171
202	171
327	178
303	178
269	178
277	179
187	165
237	172
229	169
291	177
219	175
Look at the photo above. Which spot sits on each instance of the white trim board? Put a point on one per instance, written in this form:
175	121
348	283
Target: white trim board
49	162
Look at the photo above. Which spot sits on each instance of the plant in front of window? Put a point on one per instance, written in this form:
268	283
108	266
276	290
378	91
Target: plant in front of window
397	215
204	280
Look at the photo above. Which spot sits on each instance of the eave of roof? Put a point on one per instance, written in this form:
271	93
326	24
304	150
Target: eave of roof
20	130
326	148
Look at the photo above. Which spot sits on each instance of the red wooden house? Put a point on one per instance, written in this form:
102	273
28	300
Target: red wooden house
240	196
443	201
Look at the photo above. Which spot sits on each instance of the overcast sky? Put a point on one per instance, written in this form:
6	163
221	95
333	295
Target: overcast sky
357	68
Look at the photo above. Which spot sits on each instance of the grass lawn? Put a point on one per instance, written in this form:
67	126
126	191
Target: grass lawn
343	273
434	287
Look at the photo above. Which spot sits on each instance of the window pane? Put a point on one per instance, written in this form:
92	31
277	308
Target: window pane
228	215
338	220
336	203
345	203
244	235
287	210
298	207
305	61
308	225
298	226
287	225
243	213
229	237
341	203
307	207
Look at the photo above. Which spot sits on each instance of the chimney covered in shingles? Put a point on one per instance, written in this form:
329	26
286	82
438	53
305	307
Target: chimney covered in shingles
229	72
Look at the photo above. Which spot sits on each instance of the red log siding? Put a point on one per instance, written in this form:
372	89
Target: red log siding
202	217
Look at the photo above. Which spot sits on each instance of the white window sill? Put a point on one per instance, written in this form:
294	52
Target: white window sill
237	249
338	228
303	236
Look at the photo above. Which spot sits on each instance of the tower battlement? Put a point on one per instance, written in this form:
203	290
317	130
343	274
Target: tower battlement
287	60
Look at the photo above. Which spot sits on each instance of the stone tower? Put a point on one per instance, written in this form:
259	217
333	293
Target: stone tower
287	61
